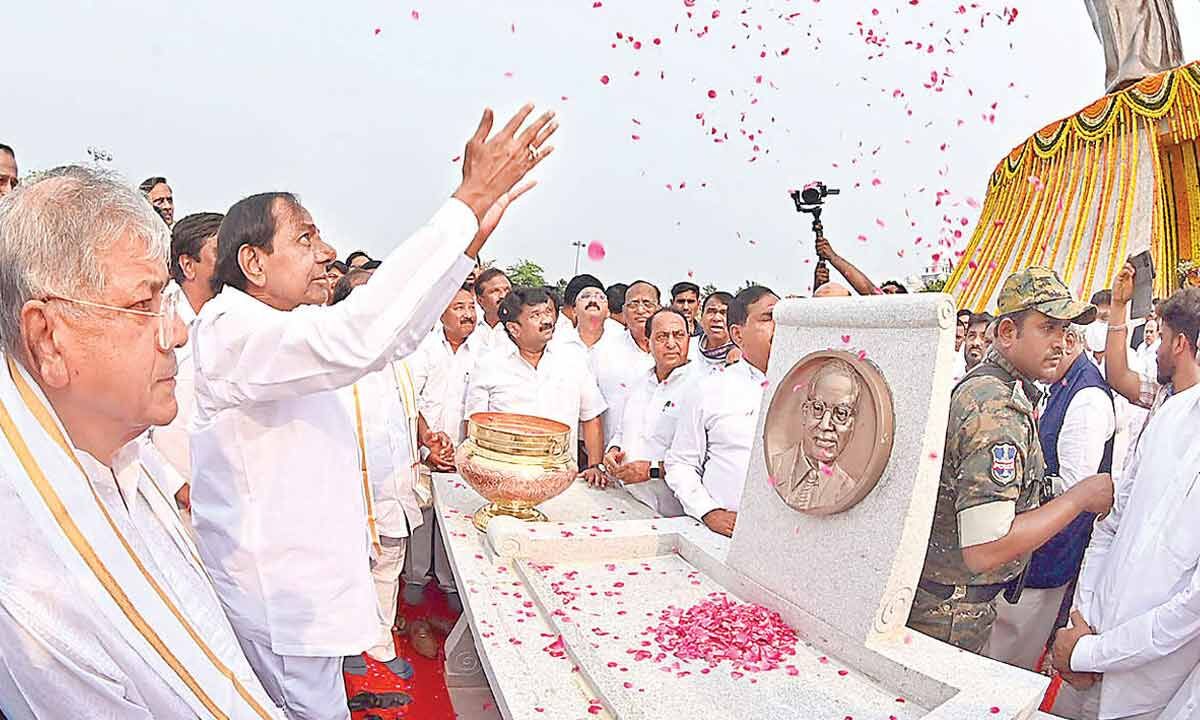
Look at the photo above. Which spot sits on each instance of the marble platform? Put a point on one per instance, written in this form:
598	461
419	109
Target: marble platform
505	658
555	613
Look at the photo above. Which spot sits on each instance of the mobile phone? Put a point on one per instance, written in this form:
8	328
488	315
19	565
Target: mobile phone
1143	285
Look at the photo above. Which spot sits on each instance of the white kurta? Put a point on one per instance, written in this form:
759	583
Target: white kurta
441	376
1140	584
617	364
277	496
59	658
560	388
709	457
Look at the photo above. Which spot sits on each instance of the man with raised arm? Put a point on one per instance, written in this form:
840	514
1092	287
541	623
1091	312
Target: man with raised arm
278	500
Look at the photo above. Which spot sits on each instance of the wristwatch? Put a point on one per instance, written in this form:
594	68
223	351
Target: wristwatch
655	472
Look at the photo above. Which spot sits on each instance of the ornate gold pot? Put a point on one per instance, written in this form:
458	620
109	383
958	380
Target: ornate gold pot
516	462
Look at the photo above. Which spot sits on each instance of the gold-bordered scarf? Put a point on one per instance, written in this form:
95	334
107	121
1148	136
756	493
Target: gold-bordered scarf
368	495
408	398
84	536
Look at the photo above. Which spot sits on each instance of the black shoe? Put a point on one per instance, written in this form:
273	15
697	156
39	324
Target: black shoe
368	700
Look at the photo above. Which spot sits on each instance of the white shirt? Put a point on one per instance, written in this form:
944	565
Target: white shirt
1185	704
560	388
617	364
490	337
1140	584
709	457
172	439
566	333
695	354
277	497
1148	357
652	412
389	445
1087	425
959	370
442	374
59	658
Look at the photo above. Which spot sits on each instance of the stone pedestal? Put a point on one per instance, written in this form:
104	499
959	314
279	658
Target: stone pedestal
559	609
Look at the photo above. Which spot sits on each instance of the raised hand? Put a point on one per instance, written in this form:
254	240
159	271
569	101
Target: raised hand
493	166
1122	289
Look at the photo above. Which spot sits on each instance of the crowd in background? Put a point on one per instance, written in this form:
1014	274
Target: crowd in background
661	395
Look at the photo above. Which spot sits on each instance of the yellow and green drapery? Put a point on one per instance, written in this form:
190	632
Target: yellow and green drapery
1080	195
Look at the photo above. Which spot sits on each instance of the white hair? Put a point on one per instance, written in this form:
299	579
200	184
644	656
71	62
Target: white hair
53	230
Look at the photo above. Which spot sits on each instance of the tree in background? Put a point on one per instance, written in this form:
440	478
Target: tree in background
707	290
526	273
935	285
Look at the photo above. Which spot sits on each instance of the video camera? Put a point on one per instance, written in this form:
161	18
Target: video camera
812	197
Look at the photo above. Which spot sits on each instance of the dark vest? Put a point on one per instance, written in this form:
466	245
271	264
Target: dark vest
1057	562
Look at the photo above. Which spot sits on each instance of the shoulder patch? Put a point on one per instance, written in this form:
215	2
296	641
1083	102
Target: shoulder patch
1004	463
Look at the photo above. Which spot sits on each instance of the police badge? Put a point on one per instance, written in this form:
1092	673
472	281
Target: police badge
1004	463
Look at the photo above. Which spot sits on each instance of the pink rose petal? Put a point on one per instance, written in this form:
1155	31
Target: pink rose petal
595	250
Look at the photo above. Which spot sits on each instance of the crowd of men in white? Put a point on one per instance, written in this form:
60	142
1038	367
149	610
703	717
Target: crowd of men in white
213	482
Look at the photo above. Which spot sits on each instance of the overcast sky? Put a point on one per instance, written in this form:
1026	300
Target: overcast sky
361	108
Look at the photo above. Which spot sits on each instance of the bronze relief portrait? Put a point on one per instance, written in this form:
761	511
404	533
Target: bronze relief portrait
829	431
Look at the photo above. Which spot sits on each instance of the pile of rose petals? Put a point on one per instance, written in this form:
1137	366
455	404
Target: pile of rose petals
752	637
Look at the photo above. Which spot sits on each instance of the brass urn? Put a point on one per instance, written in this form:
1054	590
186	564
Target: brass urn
515	462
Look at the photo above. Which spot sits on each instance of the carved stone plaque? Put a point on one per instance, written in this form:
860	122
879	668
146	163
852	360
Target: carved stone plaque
828	433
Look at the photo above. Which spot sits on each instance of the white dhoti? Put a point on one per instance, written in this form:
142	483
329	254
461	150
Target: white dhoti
427	554
1021	631
307	688
385	571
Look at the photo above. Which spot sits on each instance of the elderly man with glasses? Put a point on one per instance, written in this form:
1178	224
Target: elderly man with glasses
105	610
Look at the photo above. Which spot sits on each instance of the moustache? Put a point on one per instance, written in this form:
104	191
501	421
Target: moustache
545	326
466	321
592	306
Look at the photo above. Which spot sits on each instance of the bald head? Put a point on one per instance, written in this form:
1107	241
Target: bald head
831	289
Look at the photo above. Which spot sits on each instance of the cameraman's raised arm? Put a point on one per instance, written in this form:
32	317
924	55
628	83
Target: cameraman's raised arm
857	279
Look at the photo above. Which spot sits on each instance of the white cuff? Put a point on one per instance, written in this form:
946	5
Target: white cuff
1082	657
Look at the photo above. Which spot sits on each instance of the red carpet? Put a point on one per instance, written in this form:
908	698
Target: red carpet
428	684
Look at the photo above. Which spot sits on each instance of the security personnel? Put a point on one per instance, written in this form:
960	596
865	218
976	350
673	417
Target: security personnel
992	507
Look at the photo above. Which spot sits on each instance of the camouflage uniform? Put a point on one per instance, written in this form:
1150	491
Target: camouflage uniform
992	470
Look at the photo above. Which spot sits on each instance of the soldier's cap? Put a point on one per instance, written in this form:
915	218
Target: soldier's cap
1040	288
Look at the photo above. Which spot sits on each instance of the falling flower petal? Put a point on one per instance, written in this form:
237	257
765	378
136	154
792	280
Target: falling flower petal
595	250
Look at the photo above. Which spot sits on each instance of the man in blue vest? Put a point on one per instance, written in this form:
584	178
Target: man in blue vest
1076	433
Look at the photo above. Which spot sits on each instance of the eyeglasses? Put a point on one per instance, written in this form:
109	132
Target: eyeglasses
168	304
644	304
591	294
840	415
